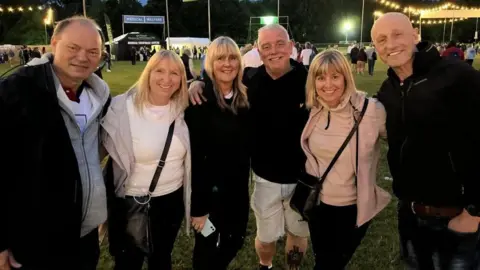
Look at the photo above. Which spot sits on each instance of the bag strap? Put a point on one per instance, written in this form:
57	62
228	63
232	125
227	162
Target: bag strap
356	156
345	143
161	162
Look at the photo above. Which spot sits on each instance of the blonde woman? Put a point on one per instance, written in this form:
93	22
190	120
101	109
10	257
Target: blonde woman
135	132
220	158
349	197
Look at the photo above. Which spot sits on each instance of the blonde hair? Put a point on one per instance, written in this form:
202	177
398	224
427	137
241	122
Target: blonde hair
179	98
221	47
328	59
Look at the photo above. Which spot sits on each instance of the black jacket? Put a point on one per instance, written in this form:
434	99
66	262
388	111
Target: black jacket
40	192
432	119
220	157
277	117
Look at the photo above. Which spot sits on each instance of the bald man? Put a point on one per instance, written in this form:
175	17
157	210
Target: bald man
432	114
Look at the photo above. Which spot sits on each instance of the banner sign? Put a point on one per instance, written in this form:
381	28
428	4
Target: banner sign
109	29
135	19
142	39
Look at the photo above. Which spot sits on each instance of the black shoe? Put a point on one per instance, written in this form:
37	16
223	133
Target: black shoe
264	267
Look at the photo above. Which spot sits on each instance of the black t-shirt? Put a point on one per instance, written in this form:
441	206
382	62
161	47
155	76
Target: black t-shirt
277	117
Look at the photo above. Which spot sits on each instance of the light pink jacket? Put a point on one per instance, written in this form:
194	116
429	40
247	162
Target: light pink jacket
371	199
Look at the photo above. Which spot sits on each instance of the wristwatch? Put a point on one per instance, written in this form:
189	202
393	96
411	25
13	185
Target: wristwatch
473	210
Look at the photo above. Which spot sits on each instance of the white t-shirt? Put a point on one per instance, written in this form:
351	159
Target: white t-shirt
252	58
305	54
294	54
149	132
349	49
81	110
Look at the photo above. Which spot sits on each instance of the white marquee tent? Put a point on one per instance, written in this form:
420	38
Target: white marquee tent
188	42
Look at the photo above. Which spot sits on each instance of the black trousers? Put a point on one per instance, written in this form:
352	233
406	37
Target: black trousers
89	253
229	215
470	61
166	214
334	235
428	243
371	66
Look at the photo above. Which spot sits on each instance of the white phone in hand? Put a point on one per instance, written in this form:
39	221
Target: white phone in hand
208	228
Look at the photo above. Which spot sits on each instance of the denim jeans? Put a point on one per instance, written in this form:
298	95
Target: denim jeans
371	66
428	243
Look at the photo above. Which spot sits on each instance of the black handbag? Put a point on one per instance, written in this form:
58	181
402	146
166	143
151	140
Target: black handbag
305	195
131	213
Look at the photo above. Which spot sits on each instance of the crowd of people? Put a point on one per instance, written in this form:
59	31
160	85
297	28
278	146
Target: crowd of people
308	136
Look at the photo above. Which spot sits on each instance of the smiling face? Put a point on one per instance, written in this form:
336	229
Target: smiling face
223	63
329	80
394	39
330	87
275	48
165	79
77	51
225	68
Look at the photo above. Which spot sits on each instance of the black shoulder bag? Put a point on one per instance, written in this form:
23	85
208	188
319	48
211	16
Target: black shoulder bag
305	195
138	227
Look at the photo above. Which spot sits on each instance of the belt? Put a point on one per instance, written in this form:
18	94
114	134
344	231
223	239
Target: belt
432	211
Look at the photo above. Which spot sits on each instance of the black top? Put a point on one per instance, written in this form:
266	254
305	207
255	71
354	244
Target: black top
432	119
186	59
277	118
220	156
40	187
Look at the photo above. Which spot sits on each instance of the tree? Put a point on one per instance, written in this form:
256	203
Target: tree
29	29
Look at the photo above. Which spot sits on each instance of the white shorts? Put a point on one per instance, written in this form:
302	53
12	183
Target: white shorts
271	204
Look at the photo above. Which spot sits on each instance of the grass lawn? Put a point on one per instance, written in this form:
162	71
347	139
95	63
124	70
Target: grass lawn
380	248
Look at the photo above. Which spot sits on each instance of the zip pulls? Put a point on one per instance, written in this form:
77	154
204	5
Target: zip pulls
404	93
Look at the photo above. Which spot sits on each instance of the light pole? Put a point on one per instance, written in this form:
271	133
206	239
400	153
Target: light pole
47	21
168	26
476	30
347	26
84	9
278	8
361	25
209	23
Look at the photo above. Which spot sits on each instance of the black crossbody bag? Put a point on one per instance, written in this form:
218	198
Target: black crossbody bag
305	195
131	214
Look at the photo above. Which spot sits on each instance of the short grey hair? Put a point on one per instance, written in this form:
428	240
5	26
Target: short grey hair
276	27
62	25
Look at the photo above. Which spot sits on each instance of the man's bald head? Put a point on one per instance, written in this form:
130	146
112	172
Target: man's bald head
395	39
396	19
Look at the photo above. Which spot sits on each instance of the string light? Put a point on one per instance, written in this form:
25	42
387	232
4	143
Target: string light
437	21
415	11
20	9
377	13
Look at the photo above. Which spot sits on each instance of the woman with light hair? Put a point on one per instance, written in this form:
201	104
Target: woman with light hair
349	196
149	166
220	159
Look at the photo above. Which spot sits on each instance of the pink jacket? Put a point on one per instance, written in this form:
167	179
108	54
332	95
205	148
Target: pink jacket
371	199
